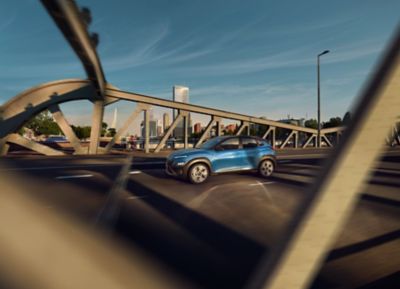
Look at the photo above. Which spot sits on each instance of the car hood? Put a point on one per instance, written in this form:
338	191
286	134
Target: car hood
187	152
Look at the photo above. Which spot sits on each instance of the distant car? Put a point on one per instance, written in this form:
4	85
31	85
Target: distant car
56	139
222	154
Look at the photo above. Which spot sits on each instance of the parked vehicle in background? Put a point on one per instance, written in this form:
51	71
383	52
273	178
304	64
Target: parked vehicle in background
220	155
55	139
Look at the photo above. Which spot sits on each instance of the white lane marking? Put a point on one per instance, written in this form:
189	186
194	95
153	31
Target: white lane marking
135	172
73	177
305	156
79	166
261	183
134	198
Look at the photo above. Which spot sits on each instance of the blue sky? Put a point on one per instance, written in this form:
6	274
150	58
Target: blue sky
256	57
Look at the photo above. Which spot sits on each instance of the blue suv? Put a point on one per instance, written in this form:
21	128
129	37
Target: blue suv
222	154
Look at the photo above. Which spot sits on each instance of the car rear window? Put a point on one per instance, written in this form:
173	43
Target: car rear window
249	143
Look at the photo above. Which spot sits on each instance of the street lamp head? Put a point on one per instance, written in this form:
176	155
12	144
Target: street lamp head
325	52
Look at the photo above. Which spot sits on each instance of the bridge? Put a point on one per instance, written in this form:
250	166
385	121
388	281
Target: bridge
116	221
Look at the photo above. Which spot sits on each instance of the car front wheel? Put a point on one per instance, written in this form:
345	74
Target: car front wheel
266	168
198	173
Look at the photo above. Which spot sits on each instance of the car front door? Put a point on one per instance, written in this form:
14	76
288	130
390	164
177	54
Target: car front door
228	156
251	152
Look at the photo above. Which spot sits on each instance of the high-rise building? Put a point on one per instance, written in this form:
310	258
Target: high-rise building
197	127
152	128
166	122
230	128
114	122
181	94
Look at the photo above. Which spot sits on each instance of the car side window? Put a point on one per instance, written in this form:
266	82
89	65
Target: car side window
230	144
249	143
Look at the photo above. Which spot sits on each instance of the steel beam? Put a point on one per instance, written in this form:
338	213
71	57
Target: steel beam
138	109
332	129
21	108
322	215
67	16
146	124
242	126
271	130
218	128
32	145
312	137
171	128
326	140
202	110
292	134
4	146
66	128
207	130
185	131
97	121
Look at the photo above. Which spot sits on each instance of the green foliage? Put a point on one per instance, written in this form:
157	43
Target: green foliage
104	126
111	132
347	118
311	123
333	122
43	124
82	132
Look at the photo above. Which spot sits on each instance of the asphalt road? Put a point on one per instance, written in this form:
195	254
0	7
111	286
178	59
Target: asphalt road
214	234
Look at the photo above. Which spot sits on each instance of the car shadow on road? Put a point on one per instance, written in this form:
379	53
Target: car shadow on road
201	249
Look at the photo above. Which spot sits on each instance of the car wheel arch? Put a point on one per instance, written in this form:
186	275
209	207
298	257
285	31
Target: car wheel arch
196	161
267	157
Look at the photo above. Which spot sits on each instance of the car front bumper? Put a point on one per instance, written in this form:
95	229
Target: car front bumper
172	170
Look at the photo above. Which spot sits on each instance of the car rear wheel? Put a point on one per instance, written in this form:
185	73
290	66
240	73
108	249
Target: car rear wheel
266	168
198	173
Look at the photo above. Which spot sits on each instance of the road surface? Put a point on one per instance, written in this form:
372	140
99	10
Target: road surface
215	233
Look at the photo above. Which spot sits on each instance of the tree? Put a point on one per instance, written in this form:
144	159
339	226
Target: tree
333	122
311	123
347	118
82	132
104	126
43	124
111	132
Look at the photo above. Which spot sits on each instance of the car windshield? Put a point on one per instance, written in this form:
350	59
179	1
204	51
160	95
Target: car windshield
211	143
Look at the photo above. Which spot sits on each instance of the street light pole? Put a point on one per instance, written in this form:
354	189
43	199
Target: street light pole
319	100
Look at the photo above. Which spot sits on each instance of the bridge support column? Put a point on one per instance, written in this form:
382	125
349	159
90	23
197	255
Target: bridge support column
271	131
185	130
138	109
310	139
218	128
242	126
32	145
338	136
146	124
326	140
171	128
66	129
4	146
97	121
295	135
207	130
296	139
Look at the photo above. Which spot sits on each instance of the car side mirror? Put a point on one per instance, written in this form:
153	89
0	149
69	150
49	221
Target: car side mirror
219	148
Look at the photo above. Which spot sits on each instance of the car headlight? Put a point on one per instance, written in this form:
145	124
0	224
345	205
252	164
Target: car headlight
180	157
